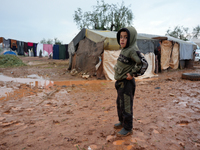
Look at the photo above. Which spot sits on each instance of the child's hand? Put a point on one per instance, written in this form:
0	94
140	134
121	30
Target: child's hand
129	77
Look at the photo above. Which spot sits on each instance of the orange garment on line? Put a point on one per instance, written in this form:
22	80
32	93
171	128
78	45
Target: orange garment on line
13	43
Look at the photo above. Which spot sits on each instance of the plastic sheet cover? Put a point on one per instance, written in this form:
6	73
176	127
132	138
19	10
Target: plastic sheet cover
110	59
186	51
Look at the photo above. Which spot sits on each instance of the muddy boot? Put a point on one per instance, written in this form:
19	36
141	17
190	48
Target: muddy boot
124	132
118	125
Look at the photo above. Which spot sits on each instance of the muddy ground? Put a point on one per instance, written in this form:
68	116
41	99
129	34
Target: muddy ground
64	112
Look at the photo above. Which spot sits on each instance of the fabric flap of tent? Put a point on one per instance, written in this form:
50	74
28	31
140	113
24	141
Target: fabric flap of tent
110	59
109	38
186	51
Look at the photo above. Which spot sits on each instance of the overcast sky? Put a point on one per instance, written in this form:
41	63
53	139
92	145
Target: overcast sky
33	20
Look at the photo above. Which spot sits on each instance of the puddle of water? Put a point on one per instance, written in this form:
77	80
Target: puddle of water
118	142
36	80
146	79
35	76
40	82
129	147
4	91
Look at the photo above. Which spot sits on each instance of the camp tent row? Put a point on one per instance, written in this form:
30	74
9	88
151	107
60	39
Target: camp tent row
95	52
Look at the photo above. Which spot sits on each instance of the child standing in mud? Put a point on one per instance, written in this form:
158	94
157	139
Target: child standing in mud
128	63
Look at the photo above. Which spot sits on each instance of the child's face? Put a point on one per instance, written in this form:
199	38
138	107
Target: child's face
123	39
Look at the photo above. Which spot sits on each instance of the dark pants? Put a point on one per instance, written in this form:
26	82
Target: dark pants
125	94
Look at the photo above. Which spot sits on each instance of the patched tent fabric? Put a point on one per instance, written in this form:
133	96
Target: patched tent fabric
169	55
166	48
174	61
86	56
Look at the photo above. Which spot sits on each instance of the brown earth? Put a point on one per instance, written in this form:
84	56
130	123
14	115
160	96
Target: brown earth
72	113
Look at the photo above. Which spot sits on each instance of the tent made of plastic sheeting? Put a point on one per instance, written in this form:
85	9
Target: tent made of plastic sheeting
96	36
185	49
88	49
184	56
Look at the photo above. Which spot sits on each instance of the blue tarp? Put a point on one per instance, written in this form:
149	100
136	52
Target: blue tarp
10	53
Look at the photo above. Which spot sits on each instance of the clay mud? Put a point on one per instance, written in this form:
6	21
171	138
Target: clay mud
43	107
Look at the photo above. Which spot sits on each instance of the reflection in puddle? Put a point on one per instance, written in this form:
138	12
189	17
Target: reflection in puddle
39	82
4	91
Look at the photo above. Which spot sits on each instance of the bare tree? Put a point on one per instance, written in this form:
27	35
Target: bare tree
104	16
179	32
196	32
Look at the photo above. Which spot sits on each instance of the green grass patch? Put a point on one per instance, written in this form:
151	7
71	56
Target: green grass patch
10	61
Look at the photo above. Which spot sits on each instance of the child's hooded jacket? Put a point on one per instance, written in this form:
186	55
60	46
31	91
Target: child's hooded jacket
121	69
